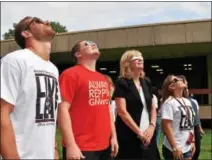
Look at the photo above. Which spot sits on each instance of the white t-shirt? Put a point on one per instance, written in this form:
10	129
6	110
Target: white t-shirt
31	85
113	109
171	109
155	101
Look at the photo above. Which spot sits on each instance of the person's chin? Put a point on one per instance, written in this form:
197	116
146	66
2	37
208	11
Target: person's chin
53	33
50	32
50	37
96	53
183	87
141	68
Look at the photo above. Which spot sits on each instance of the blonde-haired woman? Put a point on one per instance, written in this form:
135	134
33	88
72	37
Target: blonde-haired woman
177	120
135	123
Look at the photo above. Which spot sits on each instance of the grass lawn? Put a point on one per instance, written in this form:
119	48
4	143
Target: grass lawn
206	149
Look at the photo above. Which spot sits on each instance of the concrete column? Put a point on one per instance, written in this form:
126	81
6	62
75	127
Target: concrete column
209	70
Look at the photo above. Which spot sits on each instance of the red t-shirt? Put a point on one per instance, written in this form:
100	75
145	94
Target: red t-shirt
88	93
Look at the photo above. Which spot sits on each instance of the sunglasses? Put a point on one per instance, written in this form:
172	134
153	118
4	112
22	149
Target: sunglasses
36	20
136	58
90	43
175	80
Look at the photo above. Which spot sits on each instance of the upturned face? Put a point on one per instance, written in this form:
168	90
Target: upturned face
40	30
88	50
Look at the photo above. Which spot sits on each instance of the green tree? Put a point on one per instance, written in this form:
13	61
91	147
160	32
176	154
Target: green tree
9	34
58	28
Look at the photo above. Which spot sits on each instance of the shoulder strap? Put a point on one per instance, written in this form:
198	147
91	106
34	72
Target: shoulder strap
187	108
179	102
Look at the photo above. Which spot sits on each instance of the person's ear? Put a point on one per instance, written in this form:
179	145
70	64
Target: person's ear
171	87
26	34
78	55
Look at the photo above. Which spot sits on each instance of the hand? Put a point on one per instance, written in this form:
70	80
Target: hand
202	131
148	134
56	153
142	138
193	148
73	152
141	135
178	154
114	146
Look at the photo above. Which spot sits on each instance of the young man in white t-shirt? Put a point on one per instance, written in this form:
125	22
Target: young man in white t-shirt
29	94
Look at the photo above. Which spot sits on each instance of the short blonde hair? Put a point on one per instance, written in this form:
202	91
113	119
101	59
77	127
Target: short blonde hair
125	70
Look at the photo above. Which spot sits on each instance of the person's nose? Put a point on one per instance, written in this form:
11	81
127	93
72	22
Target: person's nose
94	44
47	22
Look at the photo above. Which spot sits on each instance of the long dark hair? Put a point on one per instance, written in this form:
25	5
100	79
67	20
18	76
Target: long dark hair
165	88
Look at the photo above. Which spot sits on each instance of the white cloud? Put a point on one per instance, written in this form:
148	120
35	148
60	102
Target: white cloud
93	15
200	8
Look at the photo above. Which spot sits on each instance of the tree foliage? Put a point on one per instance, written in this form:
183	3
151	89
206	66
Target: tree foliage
58	28
9	34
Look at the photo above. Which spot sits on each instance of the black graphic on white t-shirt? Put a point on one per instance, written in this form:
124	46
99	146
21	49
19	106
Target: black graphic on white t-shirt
47	97
186	120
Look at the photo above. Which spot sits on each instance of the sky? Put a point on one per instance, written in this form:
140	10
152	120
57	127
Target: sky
77	16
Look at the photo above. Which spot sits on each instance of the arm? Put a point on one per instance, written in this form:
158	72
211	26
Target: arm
167	115
113	129
68	87
56	150
202	132
114	142
8	143
148	134
167	129
125	116
64	121
153	116
10	83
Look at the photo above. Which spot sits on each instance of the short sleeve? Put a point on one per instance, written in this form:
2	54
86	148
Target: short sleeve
10	82
59	95
155	101
120	89
167	111
68	84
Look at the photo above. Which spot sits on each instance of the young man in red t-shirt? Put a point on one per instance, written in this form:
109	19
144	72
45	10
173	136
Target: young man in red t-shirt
84	116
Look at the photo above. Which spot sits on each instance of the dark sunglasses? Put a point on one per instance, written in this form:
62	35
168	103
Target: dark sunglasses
175	80
36	20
